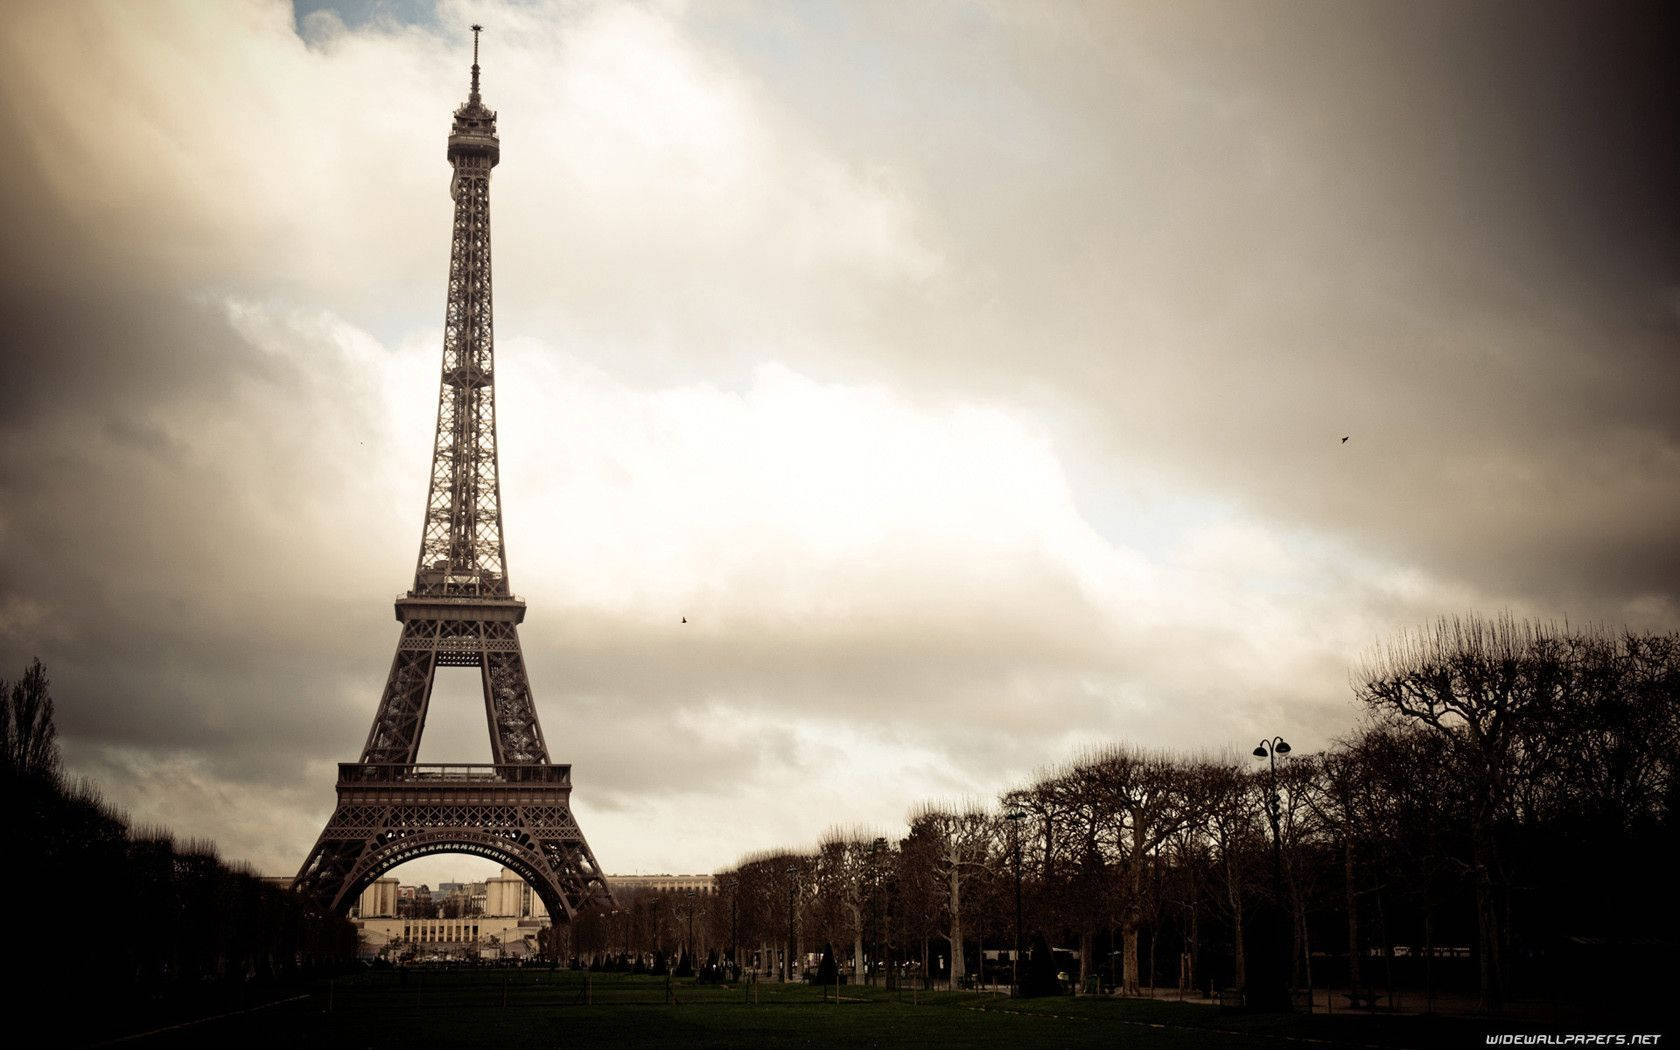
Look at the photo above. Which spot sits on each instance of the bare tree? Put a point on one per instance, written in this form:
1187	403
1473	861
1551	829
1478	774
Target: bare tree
777	888
843	873
28	733
1188	854
1141	801
1302	834
960	848
1484	686
1084	889
919	894
1230	815
1337	798
1049	805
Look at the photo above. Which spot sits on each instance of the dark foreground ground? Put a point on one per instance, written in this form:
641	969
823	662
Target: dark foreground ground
531	1008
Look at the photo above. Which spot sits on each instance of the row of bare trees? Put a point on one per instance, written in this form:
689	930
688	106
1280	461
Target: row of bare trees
1498	819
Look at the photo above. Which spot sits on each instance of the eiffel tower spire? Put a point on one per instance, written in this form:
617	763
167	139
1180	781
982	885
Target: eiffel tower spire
460	613
473	96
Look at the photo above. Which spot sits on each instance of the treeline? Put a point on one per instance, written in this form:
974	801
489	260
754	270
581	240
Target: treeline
132	913
1503	825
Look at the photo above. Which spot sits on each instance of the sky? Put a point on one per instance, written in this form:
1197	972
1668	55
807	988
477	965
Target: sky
973	377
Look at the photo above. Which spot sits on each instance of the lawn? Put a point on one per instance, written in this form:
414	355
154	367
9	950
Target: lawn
538	1008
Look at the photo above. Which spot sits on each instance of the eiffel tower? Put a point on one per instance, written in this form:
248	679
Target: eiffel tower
517	810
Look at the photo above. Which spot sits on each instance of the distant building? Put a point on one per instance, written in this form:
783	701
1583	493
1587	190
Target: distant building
669	883
507	894
508	928
378	901
511	915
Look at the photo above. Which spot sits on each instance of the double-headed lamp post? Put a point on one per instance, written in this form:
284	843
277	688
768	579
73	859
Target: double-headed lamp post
1015	816
1274	989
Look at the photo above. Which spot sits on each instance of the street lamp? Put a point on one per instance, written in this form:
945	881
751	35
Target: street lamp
1015	816
1274	994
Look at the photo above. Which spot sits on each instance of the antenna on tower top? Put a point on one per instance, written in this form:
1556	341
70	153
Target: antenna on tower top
476	30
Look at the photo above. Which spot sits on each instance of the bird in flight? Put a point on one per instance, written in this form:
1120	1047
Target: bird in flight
1344	440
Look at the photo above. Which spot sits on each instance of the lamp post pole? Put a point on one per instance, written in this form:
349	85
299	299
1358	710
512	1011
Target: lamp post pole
1275	991
1015	816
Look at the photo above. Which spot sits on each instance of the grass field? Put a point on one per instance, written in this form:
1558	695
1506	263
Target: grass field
535	1008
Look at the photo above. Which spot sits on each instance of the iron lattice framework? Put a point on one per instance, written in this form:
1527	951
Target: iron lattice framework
460	613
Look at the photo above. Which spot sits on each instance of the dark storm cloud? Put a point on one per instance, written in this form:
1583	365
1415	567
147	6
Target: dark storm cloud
122	538
1235	234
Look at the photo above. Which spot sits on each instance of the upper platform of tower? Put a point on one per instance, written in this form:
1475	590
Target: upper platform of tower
474	133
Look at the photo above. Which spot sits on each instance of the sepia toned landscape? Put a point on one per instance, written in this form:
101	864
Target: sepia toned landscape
841	524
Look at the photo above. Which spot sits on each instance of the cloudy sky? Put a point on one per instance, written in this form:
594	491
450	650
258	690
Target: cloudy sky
972	376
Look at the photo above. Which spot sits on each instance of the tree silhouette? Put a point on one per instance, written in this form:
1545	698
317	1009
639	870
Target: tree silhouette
28	733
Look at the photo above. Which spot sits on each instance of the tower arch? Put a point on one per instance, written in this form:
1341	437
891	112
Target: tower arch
513	859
